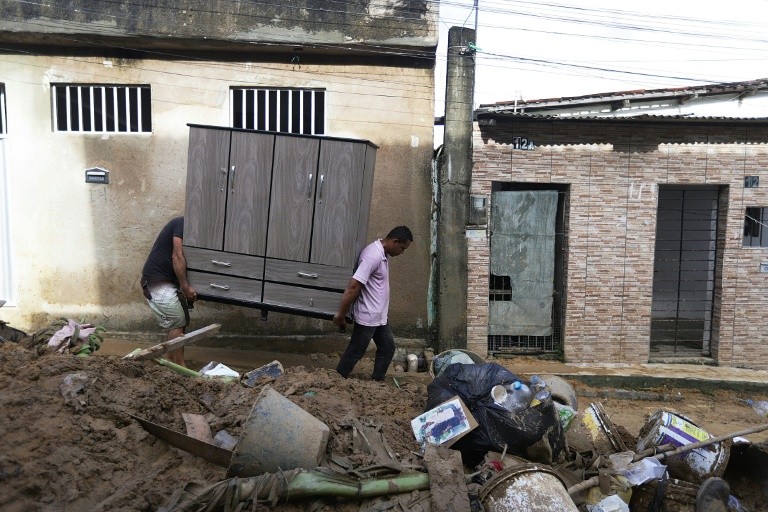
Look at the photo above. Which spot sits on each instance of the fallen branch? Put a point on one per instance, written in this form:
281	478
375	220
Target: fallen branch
166	346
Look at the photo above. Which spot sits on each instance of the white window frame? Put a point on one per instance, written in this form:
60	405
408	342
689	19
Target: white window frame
260	119
6	268
143	125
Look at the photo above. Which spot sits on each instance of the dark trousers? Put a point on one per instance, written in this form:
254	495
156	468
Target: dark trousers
358	343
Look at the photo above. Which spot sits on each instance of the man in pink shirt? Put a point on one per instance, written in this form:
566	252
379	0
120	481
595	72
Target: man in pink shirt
368	296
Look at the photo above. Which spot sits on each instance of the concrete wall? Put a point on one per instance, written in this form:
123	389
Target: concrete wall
223	24
613	170
78	249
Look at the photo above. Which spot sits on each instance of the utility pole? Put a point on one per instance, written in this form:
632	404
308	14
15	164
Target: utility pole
455	178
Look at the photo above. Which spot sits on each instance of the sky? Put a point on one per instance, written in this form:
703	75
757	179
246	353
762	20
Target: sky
544	49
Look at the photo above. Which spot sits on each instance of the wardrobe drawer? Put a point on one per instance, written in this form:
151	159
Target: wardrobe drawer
307	274
225	287
304	299
224	262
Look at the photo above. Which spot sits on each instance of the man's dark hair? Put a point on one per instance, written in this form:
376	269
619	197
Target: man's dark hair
401	234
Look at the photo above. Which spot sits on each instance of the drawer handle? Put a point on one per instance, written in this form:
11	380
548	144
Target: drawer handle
219	286
221	263
307	275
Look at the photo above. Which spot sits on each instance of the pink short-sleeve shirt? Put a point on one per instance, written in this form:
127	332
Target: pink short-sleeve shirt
372	305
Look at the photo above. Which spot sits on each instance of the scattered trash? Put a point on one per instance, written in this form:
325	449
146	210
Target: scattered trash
413	362
263	374
611	503
444	424
644	470
210	452
498	429
759	406
565	413
453	356
224	439
214	369
694	466
310	393
73	384
197	427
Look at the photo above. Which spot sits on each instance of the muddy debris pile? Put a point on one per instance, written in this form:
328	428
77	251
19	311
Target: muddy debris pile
108	433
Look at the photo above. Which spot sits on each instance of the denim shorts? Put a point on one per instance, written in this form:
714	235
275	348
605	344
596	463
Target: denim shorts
168	309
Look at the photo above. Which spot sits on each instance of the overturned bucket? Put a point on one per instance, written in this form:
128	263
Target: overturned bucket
692	466
528	487
453	356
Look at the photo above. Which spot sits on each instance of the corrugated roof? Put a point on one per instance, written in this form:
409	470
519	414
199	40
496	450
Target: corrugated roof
681	93
645	118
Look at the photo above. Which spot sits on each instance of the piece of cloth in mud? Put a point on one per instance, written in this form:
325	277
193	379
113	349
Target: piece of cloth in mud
62	339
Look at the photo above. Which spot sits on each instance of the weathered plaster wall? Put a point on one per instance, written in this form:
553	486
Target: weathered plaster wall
613	171
78	248
207	24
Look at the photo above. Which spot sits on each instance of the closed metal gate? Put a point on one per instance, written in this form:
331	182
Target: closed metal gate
684	271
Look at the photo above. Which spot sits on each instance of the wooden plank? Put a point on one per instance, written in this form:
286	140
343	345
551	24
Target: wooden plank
446	479
166	346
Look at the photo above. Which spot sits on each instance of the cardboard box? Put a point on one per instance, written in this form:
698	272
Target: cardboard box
444	424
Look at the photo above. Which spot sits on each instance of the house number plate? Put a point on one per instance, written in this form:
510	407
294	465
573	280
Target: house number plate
522	143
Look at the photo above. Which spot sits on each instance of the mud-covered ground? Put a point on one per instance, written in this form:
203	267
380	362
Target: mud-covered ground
69	450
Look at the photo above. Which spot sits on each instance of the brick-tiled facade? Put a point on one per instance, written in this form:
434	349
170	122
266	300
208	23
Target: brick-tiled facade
612	169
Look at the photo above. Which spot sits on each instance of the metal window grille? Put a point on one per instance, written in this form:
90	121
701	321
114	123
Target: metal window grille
3	121
102	108
278	110
755	227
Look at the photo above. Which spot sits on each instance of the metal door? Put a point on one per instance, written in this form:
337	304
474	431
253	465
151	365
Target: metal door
684	271
523	243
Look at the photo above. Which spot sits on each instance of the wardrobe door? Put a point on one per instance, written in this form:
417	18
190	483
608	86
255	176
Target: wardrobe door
294	178
250	174
207	173
337	202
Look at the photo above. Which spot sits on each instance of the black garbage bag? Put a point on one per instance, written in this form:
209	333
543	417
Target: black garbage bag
497	427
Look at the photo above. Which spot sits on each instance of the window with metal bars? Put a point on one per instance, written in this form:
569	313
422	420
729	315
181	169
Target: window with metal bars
755	227
94	108
3	121
278	110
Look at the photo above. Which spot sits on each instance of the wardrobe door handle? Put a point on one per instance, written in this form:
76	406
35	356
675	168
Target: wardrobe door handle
219	286
307	275
221	263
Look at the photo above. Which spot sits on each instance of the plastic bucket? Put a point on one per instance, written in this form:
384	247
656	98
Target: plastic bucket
527	487
452	356
678	496
586	433
692	466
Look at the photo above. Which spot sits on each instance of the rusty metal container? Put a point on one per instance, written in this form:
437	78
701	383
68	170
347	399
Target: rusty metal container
694	466
528	487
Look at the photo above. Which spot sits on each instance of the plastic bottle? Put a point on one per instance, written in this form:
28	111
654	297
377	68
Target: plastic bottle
760	407
518	397
539	389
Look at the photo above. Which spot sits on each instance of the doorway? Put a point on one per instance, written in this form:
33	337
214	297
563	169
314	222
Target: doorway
684	274
527	269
